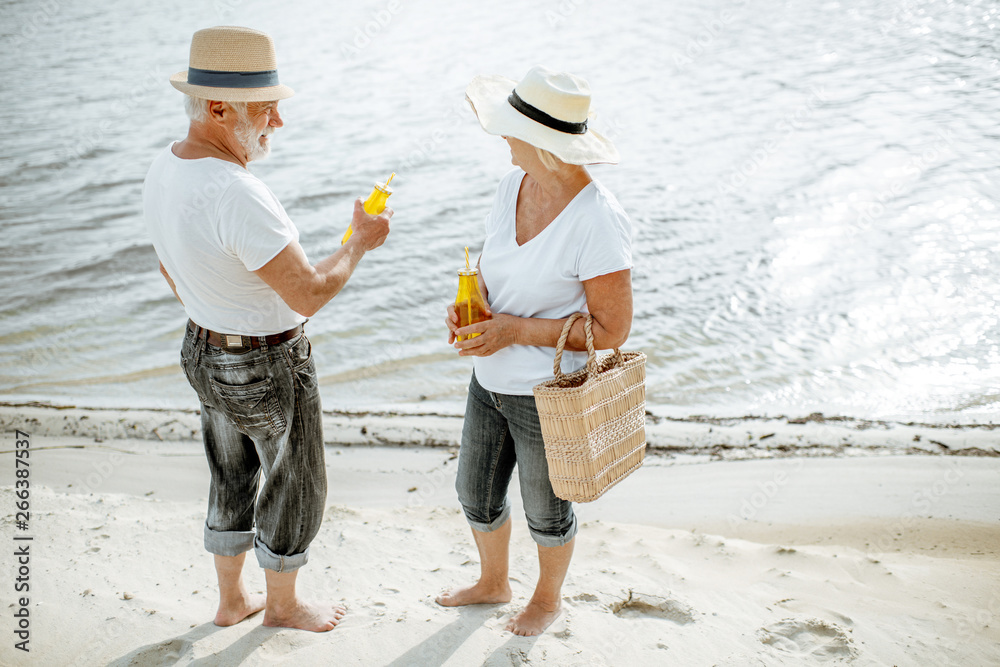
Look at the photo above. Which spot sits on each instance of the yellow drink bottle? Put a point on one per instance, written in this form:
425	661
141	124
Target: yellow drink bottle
375	203
469	303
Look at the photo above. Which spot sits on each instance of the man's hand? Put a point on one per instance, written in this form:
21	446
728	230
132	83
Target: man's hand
306	288
370	230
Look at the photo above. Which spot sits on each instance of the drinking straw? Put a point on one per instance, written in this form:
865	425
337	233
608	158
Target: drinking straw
468	302
390	179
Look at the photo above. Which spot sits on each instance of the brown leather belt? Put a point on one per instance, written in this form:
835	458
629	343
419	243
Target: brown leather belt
240	342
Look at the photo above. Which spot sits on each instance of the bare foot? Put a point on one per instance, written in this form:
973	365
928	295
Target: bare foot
533	619
305	616
477	594
234	612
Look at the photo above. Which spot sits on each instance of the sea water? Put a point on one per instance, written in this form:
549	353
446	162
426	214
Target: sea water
812	186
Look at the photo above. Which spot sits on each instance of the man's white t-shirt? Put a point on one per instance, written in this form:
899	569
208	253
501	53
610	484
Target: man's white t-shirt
544	277
213	223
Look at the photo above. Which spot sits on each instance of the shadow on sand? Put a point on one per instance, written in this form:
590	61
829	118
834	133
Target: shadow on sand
440	646
171	651
513	652
435	649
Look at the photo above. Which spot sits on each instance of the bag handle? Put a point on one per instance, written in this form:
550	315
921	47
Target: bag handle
588	325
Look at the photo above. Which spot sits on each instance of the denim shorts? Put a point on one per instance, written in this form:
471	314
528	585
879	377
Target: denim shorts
260	413
500	431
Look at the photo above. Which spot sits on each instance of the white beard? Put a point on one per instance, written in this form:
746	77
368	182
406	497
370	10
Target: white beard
249	139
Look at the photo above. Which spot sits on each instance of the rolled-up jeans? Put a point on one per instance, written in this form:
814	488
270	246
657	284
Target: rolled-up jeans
260	413
500	431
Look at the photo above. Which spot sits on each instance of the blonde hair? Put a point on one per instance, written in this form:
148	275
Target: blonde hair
548	160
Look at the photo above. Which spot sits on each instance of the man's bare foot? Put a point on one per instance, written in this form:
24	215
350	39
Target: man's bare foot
477	594
533	619
235	611
305	616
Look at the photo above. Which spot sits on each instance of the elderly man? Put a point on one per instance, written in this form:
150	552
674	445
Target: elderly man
232	257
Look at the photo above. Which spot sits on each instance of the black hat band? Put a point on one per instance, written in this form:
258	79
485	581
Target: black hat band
215	79
539	116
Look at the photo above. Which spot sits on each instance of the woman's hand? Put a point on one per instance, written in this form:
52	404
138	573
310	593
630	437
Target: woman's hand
452	321
494	335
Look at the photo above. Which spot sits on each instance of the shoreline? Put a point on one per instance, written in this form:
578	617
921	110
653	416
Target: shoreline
718	438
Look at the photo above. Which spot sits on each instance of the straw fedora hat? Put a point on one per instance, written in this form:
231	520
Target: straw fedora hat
232	64
547	109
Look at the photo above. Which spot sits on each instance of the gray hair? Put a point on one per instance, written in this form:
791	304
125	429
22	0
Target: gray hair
197	108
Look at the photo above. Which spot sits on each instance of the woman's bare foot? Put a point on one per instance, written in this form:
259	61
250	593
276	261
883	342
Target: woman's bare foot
533	619
234	611
480	593
305	616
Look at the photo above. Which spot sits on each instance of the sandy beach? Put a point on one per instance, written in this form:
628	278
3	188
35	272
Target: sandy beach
878	558
813	233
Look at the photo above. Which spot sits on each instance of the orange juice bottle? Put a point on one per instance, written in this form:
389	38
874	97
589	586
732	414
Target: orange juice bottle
375	203
469	303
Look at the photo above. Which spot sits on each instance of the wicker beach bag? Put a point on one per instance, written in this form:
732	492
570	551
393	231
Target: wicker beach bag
594	420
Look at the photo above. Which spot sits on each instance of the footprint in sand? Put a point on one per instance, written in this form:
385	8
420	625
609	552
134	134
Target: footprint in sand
638	605
808	637
512	657
165	653
97	539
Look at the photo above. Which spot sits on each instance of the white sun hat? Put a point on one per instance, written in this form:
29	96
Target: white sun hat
547	109
232	64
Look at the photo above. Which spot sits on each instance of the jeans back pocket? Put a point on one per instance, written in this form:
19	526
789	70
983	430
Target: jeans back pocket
303	367
253	407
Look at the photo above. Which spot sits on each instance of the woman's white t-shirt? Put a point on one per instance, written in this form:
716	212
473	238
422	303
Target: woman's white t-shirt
543	278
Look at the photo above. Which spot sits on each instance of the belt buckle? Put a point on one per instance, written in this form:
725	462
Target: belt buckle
233	343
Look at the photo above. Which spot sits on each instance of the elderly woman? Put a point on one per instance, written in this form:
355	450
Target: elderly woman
557	243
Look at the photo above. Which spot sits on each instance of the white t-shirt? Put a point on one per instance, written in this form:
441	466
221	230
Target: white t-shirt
543	278
213	223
